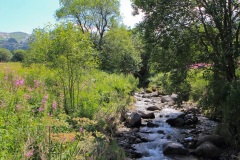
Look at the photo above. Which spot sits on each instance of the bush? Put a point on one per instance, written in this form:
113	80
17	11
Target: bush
5	55
18	55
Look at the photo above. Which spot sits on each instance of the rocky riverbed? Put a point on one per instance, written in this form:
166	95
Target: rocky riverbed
158	130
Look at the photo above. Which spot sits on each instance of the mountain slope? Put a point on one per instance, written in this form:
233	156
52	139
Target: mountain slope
19	36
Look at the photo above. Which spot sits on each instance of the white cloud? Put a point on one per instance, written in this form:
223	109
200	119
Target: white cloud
126	12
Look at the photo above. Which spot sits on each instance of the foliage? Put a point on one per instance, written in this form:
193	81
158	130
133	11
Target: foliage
68	53
33	123
18	55
119	54
95	17
5	55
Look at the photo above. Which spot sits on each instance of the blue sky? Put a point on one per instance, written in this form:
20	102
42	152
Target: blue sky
25	15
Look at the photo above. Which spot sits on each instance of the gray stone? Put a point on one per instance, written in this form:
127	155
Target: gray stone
173	148
175	122
146	115
217	140
207	149
153	108
166	99
133	118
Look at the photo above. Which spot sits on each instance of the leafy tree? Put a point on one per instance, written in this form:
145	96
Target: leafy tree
179	33
18	55
68	53
95	17
5	55
212	24
119	54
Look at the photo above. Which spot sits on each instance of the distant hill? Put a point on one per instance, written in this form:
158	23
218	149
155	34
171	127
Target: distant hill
19	36
14	40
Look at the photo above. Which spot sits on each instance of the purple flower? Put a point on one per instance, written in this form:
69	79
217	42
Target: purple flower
54	105
29	153
36	83
40	109
19	82
80	129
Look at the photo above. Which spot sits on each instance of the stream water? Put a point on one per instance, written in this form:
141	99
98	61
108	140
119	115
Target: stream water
159	134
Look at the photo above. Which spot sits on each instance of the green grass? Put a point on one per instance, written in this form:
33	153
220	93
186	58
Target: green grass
30	127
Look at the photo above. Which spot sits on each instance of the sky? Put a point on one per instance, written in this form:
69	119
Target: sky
25	15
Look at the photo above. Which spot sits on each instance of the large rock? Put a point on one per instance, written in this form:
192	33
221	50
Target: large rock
209	150
174	97
153	108
133	118
146	115
173	148
217	140
176	122
166	99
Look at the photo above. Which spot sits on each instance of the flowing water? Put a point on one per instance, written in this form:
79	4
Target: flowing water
162	132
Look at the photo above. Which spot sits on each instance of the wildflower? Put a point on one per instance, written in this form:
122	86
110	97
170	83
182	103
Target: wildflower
27	97
5	77
29	153
80	129
19	82
40	109
18	107
54	105
45	97
36	83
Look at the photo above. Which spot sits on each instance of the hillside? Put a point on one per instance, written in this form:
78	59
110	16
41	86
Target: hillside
14	40
19	36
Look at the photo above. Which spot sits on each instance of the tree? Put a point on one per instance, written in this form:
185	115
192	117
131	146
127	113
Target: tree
192	31
95	17
5	55
69	53
18	55
212	24
118	53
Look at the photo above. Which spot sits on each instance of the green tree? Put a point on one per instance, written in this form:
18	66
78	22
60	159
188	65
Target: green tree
119	54
18	55
179	33
5	55
212	24
95	17
68	53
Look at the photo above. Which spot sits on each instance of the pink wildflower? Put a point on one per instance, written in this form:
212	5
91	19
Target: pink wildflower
37	83
19	82
5	77
45	97
54	105
40	109
29	153
80	129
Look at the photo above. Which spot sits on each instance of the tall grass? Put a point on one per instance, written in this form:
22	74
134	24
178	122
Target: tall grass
34	125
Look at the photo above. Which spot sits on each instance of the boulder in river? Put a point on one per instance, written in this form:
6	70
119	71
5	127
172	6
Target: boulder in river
166	99
173	148
146	115
133	118
153	108
176	122
217	140
209	150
